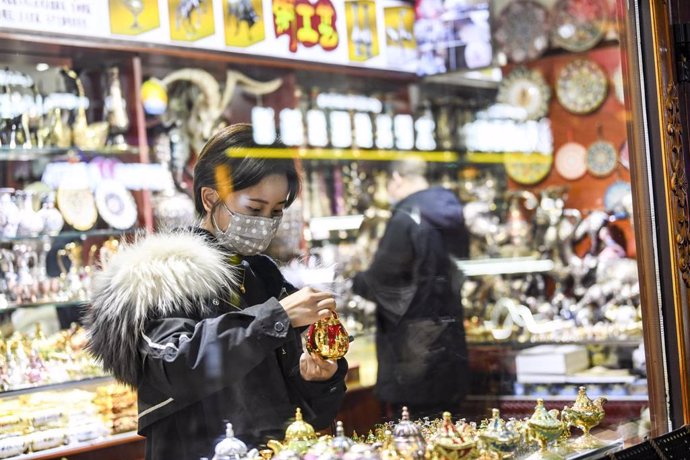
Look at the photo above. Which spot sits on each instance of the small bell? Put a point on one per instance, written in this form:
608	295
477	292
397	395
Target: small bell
328	338
230	448
407	438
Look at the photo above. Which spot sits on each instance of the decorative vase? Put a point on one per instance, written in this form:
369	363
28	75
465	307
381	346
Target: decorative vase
30	222
51	217
9	213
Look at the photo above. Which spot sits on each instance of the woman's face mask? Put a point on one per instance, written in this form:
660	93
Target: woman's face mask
246	235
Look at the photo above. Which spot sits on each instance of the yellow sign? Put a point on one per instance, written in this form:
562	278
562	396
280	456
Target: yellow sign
400	27
362	36
190	20
133	17
244	22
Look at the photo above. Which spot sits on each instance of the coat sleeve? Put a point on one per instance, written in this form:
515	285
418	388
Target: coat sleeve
389	281
320	401
189	360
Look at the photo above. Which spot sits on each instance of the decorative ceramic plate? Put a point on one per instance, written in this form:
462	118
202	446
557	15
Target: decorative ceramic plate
615	193
522	30
527	168
602	158
578	25
116	205
77	206
617	80
571	161
625	155
527	89
581	86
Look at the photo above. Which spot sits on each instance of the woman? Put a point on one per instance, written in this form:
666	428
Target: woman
205	327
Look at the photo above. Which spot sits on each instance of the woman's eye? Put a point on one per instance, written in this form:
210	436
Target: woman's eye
278	212
253	209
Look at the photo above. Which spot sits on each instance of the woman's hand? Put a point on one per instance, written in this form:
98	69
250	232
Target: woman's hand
313	368
307	306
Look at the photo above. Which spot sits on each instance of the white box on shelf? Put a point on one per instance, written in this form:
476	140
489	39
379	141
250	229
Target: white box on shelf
552	359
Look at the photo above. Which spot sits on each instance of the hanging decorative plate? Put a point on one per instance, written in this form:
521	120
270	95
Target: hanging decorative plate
581	86
578	25
617	80
527	89
77	206
522	30
116	205
625	155
602	158
527	168
571	161
614	195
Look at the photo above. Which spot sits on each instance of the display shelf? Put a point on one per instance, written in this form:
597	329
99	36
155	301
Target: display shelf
504	266
57	386
65	304
78	448
552	398
328	154
633	342
31	154
72	234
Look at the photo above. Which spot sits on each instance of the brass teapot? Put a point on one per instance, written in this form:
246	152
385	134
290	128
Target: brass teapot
497	437
544	427
449	443
407	439
299	437
86	136
585	414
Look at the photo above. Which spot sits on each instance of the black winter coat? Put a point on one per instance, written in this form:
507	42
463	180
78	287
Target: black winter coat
420	337
169	317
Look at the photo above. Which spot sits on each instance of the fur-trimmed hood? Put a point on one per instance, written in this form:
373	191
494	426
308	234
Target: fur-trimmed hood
157	276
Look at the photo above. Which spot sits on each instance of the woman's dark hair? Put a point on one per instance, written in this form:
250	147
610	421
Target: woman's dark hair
218	169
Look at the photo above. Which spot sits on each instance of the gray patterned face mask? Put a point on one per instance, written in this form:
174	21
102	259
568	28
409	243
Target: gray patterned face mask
247	235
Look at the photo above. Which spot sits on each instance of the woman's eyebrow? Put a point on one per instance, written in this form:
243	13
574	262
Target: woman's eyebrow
259	200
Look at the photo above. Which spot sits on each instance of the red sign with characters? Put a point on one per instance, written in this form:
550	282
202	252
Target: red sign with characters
306	22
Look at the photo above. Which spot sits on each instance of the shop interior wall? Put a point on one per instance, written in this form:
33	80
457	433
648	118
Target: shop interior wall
586	193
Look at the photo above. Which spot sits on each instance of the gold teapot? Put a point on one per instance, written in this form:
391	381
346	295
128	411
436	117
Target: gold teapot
449	443
544	427
585	414
299	436
497	437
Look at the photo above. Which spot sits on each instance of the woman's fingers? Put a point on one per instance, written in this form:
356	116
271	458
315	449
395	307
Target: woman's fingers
328	303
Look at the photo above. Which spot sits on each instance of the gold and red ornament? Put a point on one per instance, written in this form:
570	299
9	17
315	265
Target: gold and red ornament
328	338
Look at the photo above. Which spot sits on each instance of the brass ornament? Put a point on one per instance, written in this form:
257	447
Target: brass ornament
497	438
299	437
328	338
585	414
449	443
544	427
84	135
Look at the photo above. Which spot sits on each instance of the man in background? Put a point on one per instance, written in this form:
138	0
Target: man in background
420	338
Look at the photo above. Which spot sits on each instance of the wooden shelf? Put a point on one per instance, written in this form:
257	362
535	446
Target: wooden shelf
70	234
54	153
57	386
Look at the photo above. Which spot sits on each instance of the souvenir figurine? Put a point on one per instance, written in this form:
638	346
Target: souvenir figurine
497	437
585	414
407	439
449	444
230	448
545	428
